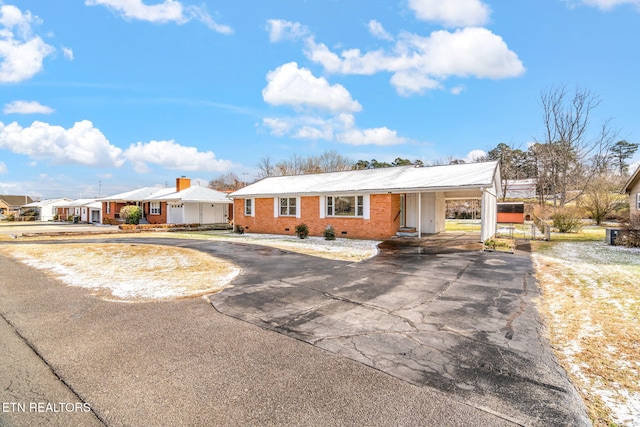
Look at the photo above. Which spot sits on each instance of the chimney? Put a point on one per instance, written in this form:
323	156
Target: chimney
182	183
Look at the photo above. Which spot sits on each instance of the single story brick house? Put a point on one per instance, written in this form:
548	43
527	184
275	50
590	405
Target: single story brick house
86	210
10	205
368	204
181	204
632	188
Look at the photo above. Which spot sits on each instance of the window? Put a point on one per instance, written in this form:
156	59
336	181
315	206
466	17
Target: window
154	208
108	208
345	206
638	201
288	206
247	207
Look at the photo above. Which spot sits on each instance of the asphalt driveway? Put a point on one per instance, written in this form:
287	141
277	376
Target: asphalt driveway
462	321
452	336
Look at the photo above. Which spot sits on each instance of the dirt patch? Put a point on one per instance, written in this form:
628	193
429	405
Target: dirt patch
591	299
129	272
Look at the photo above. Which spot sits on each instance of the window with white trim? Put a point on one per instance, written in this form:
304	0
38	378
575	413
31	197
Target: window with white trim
154	208
108	208
345	206
248	207
288	206
638	201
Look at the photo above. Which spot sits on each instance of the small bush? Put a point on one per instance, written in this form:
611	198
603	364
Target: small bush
567	220
630	234
329	233
302	230
131	214
238	229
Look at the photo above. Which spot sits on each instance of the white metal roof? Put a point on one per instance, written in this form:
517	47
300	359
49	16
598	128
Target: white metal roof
192	194
393	179
47	202
137	195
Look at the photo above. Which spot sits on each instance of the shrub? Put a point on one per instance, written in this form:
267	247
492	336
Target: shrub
131	214
630	234
302	230
238	229
329	233
567	220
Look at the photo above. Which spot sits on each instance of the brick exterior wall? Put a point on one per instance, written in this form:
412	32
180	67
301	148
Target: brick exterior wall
154	218
383	223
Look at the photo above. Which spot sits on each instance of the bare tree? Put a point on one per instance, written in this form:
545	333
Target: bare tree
567	126
603	196
265	168
227	182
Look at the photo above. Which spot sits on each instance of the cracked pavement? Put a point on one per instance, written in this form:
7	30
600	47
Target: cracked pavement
461	321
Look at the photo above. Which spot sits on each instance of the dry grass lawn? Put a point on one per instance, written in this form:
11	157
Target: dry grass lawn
591	298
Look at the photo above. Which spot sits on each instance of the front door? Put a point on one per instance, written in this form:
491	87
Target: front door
403	210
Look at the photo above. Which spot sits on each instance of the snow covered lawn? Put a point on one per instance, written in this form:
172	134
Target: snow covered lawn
129	272
591	298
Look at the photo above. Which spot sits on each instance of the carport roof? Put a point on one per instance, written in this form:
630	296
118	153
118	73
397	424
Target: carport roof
393	179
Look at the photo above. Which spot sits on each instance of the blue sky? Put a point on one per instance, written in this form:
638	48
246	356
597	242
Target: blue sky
102	96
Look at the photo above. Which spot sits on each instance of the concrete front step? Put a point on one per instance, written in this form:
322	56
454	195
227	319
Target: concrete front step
407	232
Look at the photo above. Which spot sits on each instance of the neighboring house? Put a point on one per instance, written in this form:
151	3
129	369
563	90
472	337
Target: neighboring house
369	204
86	210
632	188
190	205
520	189
46	210
180	205
10	205
111	205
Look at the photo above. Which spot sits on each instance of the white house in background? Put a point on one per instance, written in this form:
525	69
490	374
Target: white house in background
192	205
46	210
181	204
86	210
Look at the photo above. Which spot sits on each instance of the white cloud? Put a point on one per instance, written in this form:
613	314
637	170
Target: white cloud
68	53
279	30
474	156
610	4
21	52
377	30
410	82
457	90
452	13
173	156
3	168
26	107
298	88
167	11
374	136
339	128
419	63
81	144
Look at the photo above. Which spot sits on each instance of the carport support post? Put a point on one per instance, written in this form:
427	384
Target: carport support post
419	218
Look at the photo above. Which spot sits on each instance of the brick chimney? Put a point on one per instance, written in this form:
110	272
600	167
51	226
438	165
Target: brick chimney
182	183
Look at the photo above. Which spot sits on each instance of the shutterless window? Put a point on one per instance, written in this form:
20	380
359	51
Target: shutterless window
247	207
638	201
154	209
288	206
345	206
